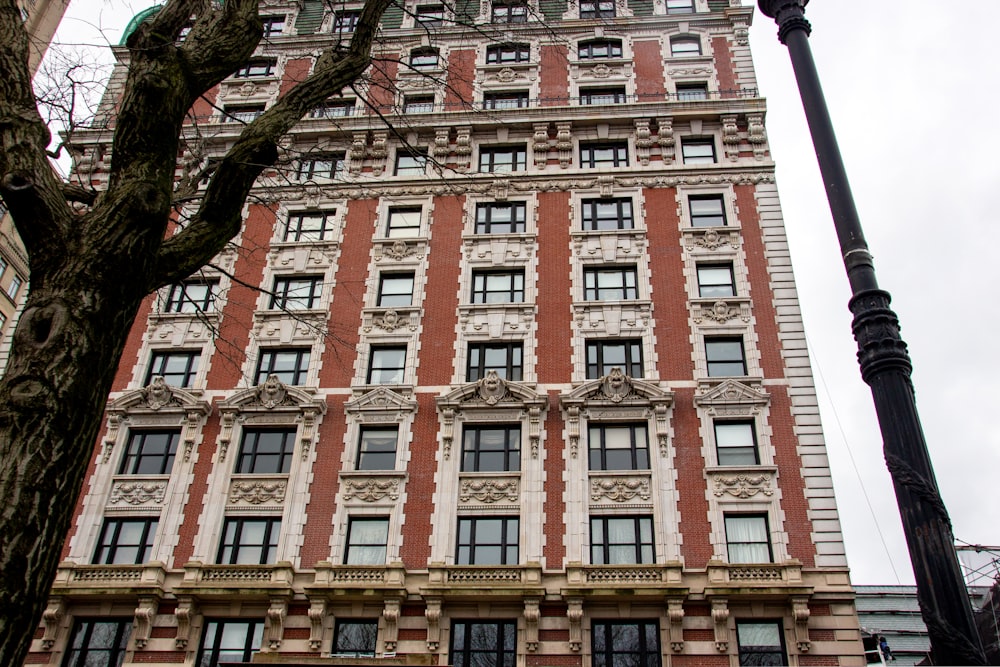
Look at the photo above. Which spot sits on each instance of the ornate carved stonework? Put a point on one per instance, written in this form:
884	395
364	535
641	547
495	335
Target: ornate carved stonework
390	321
742	485
257	492
489	491
159	394
711	239
721	311
137	493
619	490
272	393
371	489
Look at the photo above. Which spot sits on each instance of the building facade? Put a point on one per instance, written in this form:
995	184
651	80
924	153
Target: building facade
520	380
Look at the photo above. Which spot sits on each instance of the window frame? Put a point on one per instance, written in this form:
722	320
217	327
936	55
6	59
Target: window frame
777	655
241	113
501	100
707	288
419	59
466	551
134	456
284	292
644	550
340	26
334	108
486	210
680	7
270	21
178	297
596	97
417	168
473	452
504	651
489	159
341	624
679	47
78	656
299	371
364	547
395	298
752	545
376	350
717	341
257	68
418	104
367	453
437	18
590	159
692	91
14	288
483	294
593	221
300	231
396	215
598	451
699	219
251	461
593	291
598	9
333	165
108	545
495	53
229	552
216	628
596	366
727	454
697	158
514	11
476	367
603	633
585	50
191	358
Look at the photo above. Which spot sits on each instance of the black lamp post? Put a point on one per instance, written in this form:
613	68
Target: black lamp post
885	366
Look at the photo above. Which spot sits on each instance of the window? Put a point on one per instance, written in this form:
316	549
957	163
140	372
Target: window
355	639
345	21
429	15
242	113
177	368
707	211
296	293
313	226
487	541
761	643
366	540
333	109
266	451
698	151
403	223
248	541
3	262
125	541
229	641
505	359
604	155
15	286
256	69
506	100
747	538
387	365
328	165
596	49
502	159
98	642
497	287
291	365
424	59
411	164
510	11
500	217
603	355
610	284
607	214
377	448
680	6
395	289
725	357
506	54
149	453
475	644
418	104
192	297
618	447
689	92
736	444
633	643
491	449
621	540
273	25
685	47
716	281
597	9
602	96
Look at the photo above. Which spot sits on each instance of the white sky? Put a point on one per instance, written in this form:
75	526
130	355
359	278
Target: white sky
912	86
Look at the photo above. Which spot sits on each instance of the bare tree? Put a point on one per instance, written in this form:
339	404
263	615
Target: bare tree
95	256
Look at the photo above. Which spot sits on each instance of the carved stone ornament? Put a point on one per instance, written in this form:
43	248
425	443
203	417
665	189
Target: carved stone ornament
712	239
158	404
743	485
616	386
399	250
619	490
721	312
257	492
390	321
489	490
137	493
380	404
731	398
492	388
159	394
272	393
371	489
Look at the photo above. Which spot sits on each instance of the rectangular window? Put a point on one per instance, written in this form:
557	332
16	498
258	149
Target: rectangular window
229	641
418	104
516	99
619	643
426	58
504	54
248	541
618	447
621	540
355	639
241	113
176	368
500	218
680	6
690	92
505	359
487	541
333	109
497	287
149	453
747	538
599	49
403	223
590	96
716	281
736	443
725	357
395	289
610	283
3	262
256	69
266	451
366	541
491	449
614	154
192	297
429	15
125	541
685	47
321	166
312	226
604	355
475	644
698	151
411	164
510	11
387	365
377	448
291	365
503	159
98	642
761	643
273	25
707	211
607	214
15	286
597	9
345	21
299	293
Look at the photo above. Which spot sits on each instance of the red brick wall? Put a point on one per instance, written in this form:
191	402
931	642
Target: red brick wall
554	660
554	508
694	525
325	484
203	108
793	499
159	656
554	73
819	660
382	92
440	316
699	660
648	71
416	550
555	332
296	70
130	355
196	493
461	72
724	63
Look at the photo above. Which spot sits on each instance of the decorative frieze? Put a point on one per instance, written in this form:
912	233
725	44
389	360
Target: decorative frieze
136	492
257	492
182	329
612	318
720	311
710	239
619	489
400	250
496	319
390	320
289	326
742	485
489	491
499	249
370	489
610	246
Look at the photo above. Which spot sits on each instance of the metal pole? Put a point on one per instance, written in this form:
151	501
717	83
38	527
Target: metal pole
885	366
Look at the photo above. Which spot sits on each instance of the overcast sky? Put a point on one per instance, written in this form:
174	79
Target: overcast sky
912	86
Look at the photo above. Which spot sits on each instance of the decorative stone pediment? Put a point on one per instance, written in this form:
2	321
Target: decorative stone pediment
381	404
731	398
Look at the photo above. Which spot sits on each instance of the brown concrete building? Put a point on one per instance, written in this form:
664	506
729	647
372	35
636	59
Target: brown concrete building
522	383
